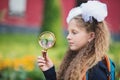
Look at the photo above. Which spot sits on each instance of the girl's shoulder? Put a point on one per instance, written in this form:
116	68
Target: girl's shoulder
103	70
98	72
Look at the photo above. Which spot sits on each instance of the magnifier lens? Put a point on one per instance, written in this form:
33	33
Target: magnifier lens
46	39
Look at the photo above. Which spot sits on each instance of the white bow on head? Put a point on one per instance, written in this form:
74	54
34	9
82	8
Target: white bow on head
90	9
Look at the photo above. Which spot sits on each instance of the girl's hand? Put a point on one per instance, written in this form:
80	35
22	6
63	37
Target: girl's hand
44	62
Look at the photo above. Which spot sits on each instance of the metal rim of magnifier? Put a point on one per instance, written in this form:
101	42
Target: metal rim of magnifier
48	32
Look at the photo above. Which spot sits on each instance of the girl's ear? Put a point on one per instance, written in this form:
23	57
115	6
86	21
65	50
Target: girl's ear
91	36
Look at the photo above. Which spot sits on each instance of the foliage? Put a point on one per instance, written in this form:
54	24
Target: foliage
21	74
114	53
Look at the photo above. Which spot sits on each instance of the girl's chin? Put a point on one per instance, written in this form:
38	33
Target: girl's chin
73	48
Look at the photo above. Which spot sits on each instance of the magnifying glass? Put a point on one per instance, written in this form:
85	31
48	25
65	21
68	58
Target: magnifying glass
46	40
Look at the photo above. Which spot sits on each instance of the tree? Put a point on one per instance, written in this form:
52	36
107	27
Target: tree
52	20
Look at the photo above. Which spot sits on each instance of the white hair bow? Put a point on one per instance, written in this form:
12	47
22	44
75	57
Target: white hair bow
90	9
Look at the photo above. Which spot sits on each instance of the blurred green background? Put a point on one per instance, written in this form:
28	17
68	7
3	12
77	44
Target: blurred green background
19	49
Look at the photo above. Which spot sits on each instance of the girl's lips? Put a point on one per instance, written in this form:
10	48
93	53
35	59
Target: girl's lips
70	43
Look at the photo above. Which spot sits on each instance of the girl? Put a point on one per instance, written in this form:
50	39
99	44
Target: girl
88	40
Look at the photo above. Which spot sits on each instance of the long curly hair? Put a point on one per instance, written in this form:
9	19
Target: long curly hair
76	63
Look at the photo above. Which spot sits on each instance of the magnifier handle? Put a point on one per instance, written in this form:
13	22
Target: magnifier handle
44	54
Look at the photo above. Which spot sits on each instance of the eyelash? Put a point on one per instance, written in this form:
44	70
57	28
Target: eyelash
73	32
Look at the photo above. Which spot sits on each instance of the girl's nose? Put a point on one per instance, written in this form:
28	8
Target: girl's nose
68	37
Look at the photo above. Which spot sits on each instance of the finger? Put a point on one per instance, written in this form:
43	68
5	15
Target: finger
41	61
40	57
41	64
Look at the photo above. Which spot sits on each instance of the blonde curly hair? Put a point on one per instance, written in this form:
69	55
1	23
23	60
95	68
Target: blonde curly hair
76	63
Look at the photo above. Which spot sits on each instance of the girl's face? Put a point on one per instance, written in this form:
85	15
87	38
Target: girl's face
77	37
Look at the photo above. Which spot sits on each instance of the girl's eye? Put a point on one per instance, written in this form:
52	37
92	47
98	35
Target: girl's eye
74	32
